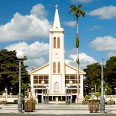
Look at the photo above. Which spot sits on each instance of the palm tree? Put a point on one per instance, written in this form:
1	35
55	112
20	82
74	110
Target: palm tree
77	12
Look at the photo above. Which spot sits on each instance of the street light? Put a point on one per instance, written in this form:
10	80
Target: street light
70	92
6	93
115	90
42	91
66	94
102	102
20	56
105	91
47	97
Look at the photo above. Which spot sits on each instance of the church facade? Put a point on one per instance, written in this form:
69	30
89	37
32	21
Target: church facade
56	81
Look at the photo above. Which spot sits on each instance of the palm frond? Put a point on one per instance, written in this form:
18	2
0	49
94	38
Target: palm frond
72	6
82	12
79	5
71	10
77	12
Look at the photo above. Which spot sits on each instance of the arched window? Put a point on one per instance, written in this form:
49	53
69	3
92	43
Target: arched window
58	42
56	86
58	67
54	67
54	42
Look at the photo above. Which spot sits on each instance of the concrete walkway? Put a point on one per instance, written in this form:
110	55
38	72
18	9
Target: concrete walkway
53	109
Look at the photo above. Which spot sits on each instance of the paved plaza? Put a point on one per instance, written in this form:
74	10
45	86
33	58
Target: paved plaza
56	109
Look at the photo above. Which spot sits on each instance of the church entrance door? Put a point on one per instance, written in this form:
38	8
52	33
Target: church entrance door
39	98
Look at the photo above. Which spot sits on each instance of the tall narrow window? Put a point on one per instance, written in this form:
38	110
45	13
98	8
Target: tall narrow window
35	79
54	42
58	42
54	67
58	67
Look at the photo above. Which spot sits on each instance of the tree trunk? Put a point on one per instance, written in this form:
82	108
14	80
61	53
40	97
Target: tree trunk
77	67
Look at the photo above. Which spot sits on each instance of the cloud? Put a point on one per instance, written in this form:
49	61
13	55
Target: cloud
36	53
70	23
39	11
106	12
95	27
26	27
106	43
83	1
83	58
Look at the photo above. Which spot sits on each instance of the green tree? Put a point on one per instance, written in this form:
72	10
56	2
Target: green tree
110	73
93	77
9	71
77	12
107	88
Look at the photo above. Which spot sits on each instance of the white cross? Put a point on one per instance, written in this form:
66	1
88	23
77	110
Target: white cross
56	6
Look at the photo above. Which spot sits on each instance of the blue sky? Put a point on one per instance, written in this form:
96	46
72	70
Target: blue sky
24	25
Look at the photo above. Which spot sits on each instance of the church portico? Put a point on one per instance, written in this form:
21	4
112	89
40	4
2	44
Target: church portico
56	81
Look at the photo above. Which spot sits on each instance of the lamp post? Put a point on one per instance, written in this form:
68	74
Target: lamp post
70	92
42	91
66	94
102	102
6	94
47	97
115	90
20	56
105	91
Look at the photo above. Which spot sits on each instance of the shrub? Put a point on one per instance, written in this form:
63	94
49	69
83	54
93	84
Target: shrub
110	102
84	102
86	98
97	94
15	101
94	100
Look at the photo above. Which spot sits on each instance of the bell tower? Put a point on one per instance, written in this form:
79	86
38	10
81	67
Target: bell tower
56	57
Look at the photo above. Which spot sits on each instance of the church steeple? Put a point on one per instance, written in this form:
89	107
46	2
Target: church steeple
56	19
56	56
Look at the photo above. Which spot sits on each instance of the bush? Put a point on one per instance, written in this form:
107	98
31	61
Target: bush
110	102
86	98
84	102
94	100
15	101
97	94
30	100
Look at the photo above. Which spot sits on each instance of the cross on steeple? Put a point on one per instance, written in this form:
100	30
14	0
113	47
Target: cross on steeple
56	19
56	6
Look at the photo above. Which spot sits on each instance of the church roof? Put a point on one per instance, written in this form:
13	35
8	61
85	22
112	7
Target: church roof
74	69
56	24
39	68
44	69
56	20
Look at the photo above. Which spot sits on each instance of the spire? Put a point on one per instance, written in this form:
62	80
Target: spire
56	19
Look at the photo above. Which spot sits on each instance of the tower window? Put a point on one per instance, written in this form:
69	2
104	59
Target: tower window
54	67
58	67
58	42
54	42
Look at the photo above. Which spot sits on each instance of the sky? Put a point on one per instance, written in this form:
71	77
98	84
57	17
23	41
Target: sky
25	25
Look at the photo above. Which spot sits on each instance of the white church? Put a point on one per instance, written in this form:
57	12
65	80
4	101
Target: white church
56	81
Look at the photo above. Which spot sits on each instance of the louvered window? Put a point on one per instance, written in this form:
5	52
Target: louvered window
54	42
58	42
58	67
54	67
